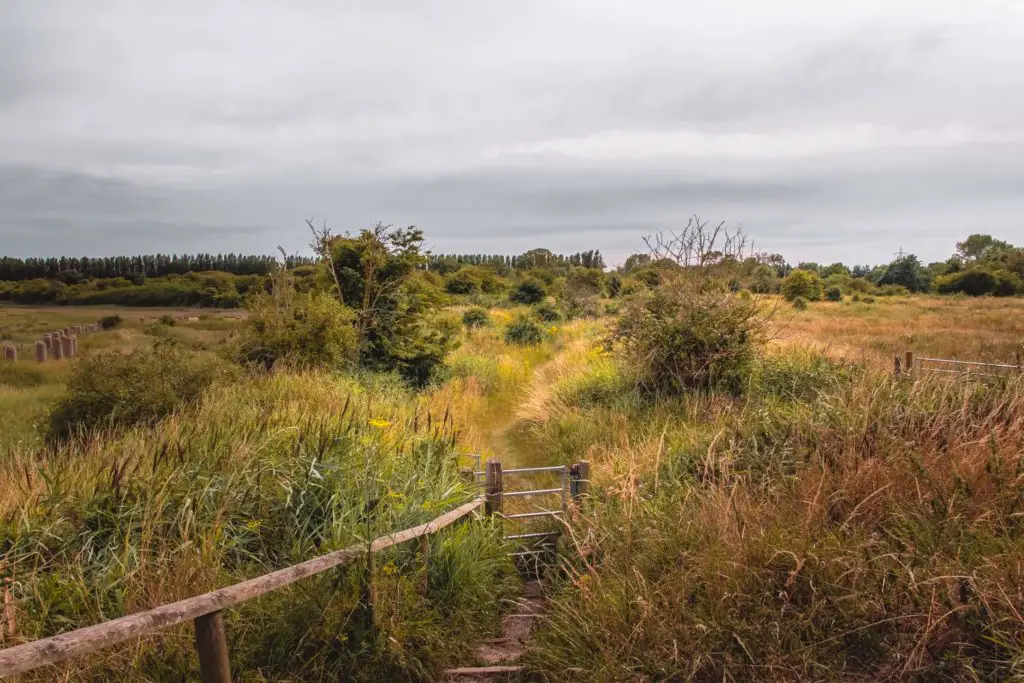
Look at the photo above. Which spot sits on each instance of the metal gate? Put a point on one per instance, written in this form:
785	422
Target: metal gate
567	482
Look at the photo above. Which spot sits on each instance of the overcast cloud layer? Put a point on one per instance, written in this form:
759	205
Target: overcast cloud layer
828	130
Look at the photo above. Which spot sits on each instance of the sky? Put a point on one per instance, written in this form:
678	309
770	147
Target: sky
827	131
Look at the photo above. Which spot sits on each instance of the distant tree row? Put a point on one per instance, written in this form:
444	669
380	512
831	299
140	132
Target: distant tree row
505	263
72	270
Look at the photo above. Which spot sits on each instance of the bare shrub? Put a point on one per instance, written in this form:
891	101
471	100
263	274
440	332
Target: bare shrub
690	332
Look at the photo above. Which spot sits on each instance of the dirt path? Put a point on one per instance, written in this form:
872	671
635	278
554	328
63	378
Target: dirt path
497	658
500	656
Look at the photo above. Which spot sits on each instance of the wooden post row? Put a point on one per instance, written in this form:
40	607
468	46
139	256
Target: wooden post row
908	364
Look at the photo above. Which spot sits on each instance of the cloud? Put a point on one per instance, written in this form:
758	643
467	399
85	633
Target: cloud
224	123
640	145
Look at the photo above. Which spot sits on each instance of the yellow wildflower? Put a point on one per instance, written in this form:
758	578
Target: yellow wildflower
379	423
253	524
389	569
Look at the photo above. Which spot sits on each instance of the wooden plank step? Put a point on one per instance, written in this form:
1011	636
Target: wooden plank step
483	670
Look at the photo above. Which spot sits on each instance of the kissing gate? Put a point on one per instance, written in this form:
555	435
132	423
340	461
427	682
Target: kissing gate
558	484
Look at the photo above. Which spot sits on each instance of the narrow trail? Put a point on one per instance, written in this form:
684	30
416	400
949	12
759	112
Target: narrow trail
497	658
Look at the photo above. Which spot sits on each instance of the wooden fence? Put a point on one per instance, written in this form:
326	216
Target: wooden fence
205	610
911	364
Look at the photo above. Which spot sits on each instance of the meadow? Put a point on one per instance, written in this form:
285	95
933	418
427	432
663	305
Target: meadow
827	520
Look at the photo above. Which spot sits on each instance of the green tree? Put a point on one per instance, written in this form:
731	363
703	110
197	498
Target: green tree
801	283
980	247
375	274
908	272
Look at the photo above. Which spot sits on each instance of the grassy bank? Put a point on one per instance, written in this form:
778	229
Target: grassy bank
832	523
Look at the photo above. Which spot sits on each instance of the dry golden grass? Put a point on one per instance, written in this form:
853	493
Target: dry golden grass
985	329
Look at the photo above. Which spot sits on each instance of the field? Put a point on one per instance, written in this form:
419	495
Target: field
831	521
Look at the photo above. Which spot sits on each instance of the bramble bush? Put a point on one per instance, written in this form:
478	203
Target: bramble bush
476	317
547	312
801	283
524	332
689	333
528	292
112	389
305	330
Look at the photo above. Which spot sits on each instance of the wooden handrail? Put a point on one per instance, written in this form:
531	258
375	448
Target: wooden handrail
55	649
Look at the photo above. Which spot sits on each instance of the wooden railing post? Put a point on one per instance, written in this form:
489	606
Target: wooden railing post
908	363
212	645
579	485
896	361
369	597
425	561
493	487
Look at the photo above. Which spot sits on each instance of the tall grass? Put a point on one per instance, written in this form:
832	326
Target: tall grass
258	475
834	523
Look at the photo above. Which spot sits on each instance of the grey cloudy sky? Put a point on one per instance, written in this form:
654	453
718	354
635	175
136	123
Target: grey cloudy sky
828	130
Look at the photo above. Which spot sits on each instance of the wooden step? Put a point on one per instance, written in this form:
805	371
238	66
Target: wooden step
482	670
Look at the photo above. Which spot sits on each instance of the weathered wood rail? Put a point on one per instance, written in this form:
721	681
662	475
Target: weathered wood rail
205	610
911	364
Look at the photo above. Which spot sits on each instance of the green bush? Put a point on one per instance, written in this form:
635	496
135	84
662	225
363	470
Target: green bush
980	281
528	292
112	389
834	294
801	283
893	290
476	317
868	299
167	320
680	337
305	330
523	332
109	322
800	303
547	312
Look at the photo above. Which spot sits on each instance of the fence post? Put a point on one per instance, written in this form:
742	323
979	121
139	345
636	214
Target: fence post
493	487
425	561
212	645
40	352
579	484
369	597
908	364
896	360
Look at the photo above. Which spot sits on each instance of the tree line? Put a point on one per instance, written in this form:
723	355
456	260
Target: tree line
74	269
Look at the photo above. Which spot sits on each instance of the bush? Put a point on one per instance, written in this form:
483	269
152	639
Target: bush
306	330
744	294
893	290
801	283
868	299
980	281
678	338
523	332
167	320
800	303
834	294
528	292
117	390
547	312
109	322
855	297
476	317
